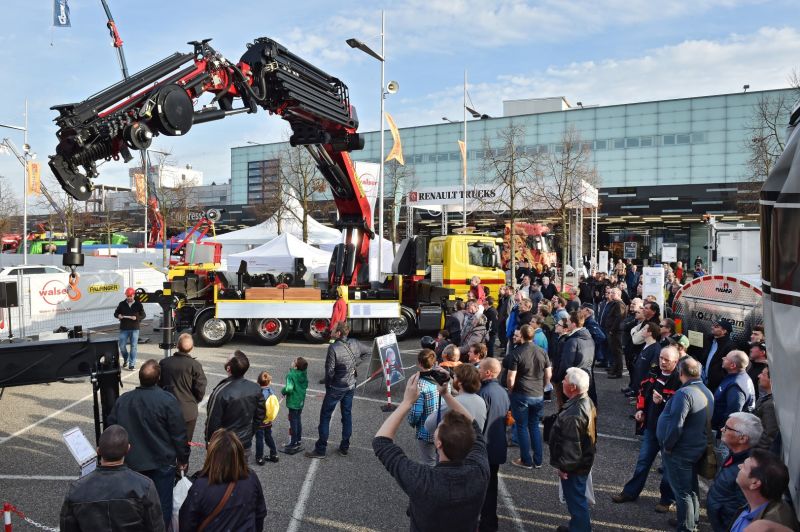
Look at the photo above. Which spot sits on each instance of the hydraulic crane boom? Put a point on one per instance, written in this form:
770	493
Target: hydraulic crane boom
160	100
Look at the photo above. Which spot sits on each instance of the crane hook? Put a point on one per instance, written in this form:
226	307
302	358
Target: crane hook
73	293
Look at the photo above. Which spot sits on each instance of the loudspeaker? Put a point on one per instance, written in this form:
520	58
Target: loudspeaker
8	295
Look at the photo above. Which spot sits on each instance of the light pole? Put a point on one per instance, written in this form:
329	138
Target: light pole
355	43
26	150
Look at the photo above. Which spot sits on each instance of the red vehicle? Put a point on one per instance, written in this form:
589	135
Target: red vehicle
532	242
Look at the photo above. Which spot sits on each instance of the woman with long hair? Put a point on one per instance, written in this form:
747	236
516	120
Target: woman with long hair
227	495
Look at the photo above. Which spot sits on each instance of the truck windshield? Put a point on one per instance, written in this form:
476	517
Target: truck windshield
482	254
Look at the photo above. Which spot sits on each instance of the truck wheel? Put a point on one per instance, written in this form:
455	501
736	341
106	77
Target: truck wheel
214	332
269	331
402	326
314	330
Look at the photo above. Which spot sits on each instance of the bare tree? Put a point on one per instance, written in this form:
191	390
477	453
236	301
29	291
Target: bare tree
9	206
560	179
399	179
299	182
510	169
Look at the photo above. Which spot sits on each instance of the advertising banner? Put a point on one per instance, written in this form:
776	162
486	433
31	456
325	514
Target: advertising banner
669	253
653	284
50	294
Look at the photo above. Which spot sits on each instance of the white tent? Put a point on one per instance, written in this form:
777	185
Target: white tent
277	256
388	255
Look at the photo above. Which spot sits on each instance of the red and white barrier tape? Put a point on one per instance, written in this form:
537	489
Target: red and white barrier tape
9	509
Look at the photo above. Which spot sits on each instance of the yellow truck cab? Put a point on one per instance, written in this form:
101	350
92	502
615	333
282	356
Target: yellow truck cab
454	259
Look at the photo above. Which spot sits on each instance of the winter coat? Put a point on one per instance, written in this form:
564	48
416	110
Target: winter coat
135	309
713	371
735	394
681	428
578	352
295	389
574	436
244	511
474	332
343	356
497	405
724	496
183	376
236	404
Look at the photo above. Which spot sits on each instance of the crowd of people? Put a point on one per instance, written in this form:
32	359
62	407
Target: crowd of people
480	388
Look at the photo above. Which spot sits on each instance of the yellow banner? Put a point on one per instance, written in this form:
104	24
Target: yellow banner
463	148
397	149
141	185
34	179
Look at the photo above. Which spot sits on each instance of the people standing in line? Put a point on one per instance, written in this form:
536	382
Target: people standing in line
765	410
497	405
734	394
434	501
227	494
112	497
474	330
236	404
156	431
758	361
529	372
682	434
504	305
572	448
612	324
763	479
559	308
740	432
341	361
539	336
574	303
426	403
632	321
536	296
525	315
264	431
561	334
549	290
512	323
295	393
577	352
647	359
656	390
455	322
183	376
130	314
490	313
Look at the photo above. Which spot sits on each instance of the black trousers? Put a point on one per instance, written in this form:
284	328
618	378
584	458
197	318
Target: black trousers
489	522
615	353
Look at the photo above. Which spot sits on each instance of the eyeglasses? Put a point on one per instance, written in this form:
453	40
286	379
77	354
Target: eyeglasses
726	428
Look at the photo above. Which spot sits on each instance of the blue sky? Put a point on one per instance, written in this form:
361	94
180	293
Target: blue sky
597	52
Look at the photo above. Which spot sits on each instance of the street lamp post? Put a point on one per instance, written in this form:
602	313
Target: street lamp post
26	149
355	43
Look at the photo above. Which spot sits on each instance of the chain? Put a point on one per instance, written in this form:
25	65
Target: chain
13	509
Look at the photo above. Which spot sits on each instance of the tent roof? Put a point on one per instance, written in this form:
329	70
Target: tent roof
279	253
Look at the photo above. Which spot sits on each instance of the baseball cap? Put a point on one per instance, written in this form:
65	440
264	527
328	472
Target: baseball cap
725	324
684	341
129	292
760	345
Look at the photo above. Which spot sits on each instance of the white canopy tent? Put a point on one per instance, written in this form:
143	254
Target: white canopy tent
277	256
388	255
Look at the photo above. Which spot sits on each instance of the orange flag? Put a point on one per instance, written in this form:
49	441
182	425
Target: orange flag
34	179
141	186
463	148
397	149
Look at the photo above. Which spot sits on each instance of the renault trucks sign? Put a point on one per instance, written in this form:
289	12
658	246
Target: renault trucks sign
452	198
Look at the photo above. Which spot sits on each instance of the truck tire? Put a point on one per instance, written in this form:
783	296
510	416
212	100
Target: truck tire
314	330
214	332
269	331
403	326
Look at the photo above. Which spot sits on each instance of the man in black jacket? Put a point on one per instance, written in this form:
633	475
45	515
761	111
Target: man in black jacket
491	324
130	314
447	496
343	356
156	430
613	317
112	497
183	377
572	448
236	403
497	405
577	352
719	346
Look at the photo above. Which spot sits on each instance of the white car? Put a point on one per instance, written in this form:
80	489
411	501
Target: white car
11	272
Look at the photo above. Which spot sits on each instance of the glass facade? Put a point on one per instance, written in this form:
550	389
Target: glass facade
662	143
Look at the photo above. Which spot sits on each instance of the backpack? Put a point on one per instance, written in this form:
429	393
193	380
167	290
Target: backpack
273	406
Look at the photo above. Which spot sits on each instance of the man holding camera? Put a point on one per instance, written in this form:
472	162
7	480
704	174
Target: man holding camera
449	495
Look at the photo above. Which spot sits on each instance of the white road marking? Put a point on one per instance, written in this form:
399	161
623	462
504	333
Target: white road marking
51	416
508	502
302	499
37	477
611	436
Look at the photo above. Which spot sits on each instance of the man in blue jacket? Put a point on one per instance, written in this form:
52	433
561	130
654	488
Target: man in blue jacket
681	433
497	405
739	433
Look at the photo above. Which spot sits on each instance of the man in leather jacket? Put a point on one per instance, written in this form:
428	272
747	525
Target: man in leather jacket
112	497
236	403
344	354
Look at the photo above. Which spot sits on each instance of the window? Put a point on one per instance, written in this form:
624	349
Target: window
481	254
683	138
698	138
646	142
600	145
619	144
632	142
50	269
669	140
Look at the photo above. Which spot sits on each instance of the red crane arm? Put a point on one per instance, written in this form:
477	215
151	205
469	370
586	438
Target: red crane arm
160	100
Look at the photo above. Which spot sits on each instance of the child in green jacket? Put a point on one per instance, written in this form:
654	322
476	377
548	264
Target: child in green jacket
295	392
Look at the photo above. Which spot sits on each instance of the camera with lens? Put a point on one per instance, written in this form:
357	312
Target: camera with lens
439	375
427	342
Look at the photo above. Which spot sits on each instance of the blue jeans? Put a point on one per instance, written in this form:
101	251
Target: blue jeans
647	455
262	435
164	480
295	426
334	396
131	336
574	489
527	412
682	475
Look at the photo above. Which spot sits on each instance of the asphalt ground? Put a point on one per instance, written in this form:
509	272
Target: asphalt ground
337	493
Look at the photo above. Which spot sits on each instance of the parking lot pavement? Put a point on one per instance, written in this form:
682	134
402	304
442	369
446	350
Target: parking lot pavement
337	493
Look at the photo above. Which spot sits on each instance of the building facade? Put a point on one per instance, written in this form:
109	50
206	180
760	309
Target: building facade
662	164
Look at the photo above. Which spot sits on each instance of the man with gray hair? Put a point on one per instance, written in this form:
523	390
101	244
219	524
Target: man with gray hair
739	434
735	392
572	447
681	432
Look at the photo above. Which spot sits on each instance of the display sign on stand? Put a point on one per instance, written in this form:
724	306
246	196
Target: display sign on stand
602	261
653	284
386	360
669	253
80	448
